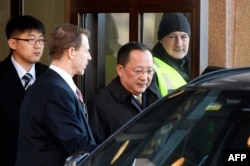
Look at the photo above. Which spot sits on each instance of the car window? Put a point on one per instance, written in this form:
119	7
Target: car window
184	126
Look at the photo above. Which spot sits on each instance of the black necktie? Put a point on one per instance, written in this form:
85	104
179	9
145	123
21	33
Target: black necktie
27	77
79	96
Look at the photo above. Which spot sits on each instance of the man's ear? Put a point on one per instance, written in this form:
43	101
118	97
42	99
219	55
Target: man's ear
12	43
119	69
71	52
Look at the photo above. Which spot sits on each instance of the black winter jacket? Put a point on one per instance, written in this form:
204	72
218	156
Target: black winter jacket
113	106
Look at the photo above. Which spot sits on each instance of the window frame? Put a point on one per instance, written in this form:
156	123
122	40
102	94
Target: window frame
95	73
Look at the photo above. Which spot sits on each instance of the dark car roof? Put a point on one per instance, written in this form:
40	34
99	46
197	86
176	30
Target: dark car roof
234	78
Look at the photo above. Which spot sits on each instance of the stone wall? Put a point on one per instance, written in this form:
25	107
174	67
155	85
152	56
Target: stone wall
229	33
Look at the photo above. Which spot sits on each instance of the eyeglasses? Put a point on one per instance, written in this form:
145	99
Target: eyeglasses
33	41
139	71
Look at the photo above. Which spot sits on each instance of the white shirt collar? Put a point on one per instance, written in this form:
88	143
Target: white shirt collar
135	96
21	71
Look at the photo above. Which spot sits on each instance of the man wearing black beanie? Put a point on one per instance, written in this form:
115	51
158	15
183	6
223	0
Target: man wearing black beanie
171	63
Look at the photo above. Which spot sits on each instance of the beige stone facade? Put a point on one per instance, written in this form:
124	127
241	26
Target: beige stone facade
229	33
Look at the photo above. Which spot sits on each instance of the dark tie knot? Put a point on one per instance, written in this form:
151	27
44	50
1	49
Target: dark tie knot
26	78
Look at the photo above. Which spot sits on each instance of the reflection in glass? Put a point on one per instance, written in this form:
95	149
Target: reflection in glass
117	34
150	26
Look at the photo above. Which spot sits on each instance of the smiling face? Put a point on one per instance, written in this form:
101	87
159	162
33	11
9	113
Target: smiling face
137	74
23	52
176	44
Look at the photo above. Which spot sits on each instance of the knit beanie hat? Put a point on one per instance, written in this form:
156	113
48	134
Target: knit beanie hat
172	22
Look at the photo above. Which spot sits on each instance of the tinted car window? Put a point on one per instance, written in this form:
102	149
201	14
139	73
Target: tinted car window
193	125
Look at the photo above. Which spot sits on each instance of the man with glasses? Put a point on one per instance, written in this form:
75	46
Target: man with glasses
127	95
25	35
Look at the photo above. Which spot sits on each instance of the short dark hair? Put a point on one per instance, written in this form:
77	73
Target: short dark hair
22	24
124	52
65	36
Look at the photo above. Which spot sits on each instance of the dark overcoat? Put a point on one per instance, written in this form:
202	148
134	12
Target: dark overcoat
11	96
113	106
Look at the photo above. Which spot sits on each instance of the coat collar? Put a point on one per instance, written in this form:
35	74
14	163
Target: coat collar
121	94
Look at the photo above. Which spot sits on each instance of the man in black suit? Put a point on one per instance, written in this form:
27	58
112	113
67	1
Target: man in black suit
25	35
53	124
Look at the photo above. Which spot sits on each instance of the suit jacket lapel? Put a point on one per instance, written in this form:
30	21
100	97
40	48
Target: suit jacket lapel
11	76
89	131
81	106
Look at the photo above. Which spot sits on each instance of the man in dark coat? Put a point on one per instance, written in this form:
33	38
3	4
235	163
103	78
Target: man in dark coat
25	35
172	62
117	103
